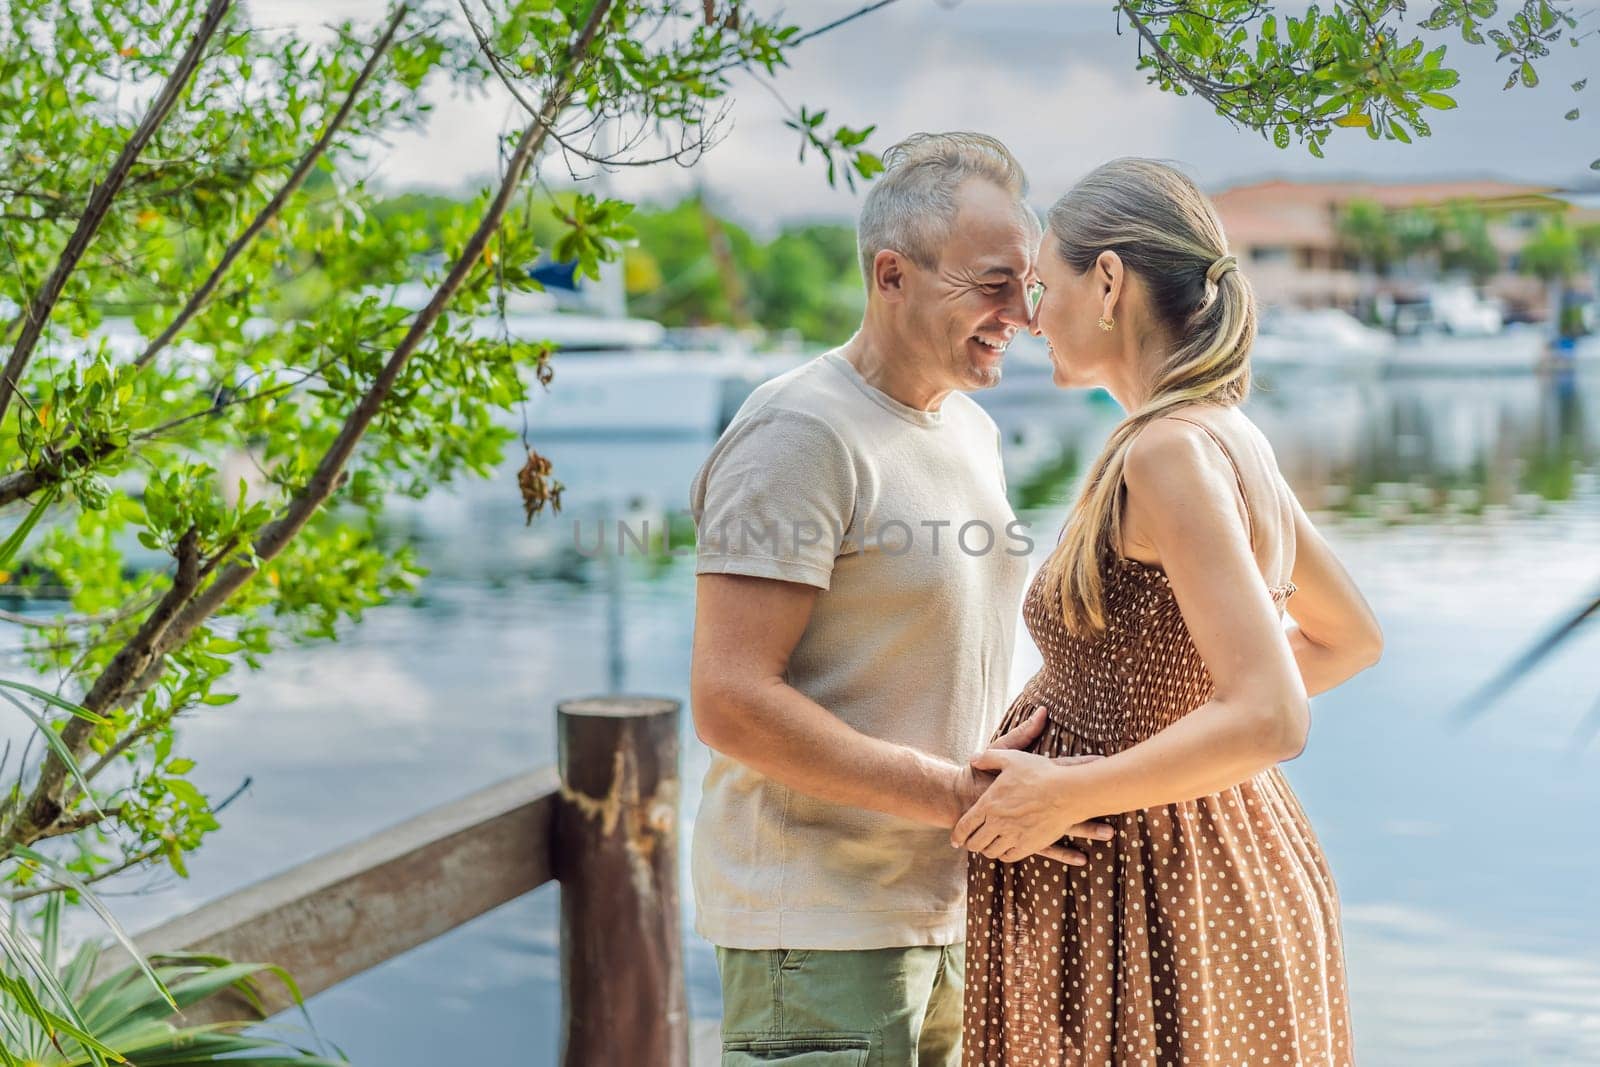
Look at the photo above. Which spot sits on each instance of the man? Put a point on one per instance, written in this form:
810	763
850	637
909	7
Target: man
859	577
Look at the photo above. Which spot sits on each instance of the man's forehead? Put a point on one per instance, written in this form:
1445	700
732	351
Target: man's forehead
989	238
1013	266
1013	259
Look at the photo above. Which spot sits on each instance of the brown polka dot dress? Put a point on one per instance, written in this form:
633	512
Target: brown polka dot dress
1205	932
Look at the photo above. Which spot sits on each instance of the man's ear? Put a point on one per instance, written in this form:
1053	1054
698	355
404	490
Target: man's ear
889	275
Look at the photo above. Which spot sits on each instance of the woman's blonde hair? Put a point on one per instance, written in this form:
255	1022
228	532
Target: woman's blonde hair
1165	231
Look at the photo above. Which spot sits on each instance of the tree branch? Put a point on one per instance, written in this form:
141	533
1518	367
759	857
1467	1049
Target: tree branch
182	610
129	863
1202	86
58	466
100	203
277	534
682	156
71	824
43	806
55	887
865	9
23	483
123	743
72	622
296	178
840	21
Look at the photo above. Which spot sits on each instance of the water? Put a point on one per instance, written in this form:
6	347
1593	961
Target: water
1468	509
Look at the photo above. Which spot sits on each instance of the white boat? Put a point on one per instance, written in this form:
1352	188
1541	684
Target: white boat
1324	340
1459	310
1515	350
1453	329
647	393
614	376
575	333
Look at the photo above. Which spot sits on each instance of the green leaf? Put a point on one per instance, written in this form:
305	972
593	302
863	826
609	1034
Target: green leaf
56	745
19	946
1438	101
55	701
1530	77
67	878
13	543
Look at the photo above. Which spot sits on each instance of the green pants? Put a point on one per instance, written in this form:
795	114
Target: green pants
889	1007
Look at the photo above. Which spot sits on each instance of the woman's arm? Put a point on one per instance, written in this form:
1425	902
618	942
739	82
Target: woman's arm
1334	635
1182	494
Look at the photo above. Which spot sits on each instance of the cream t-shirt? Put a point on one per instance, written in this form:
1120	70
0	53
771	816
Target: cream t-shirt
900	517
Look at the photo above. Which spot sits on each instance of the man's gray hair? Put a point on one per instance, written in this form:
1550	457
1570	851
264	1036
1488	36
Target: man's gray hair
911	208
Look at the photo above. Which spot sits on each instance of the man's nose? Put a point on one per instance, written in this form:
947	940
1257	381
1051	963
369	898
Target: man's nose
1017	313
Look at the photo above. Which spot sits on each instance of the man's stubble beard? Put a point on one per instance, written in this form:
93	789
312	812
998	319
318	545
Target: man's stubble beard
973	377
980	378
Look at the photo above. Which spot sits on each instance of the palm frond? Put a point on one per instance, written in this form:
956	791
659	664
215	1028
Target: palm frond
1519	668
136	1014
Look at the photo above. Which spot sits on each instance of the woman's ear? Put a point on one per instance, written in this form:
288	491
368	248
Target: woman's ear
1109	275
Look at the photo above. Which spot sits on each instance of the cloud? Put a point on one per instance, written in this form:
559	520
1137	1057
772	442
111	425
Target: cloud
1056	80
1428	990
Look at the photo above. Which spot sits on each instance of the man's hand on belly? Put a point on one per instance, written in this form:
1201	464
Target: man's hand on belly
969	784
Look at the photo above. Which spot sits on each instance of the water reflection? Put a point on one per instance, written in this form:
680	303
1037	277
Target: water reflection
1409	450
1455	449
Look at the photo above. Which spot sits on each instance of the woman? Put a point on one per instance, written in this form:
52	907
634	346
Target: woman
1206	931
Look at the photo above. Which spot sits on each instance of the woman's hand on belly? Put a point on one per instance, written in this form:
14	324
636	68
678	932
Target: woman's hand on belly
1026	809
971	782
976	780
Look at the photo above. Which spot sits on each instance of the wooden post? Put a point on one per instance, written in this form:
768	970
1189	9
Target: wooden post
616	857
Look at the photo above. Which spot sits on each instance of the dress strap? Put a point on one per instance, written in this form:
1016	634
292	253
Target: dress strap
1238	476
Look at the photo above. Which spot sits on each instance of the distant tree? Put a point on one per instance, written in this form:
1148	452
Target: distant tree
1553	253
805	279
809	282
676	240
1555	256
1368	234
1452	238
1464	245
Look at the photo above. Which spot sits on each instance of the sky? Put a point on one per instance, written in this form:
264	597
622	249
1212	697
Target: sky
1051	78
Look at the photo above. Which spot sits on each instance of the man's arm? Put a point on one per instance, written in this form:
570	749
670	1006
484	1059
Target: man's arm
783	468
745	630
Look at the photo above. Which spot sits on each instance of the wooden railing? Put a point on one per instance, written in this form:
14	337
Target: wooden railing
603	822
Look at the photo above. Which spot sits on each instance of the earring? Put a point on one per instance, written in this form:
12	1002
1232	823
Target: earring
1106	324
